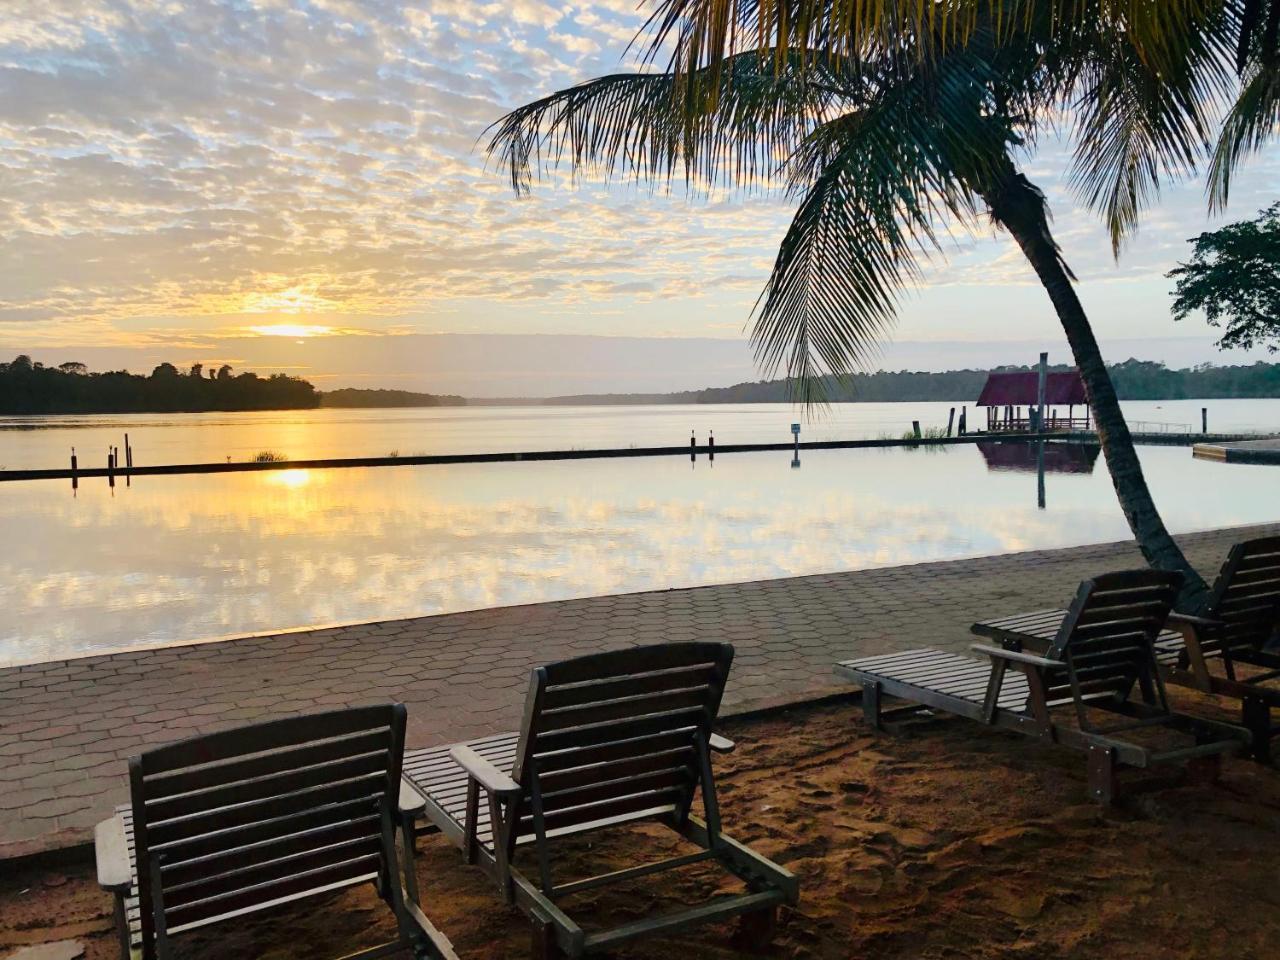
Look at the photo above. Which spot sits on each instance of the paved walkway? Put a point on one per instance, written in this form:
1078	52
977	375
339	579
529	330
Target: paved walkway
66	727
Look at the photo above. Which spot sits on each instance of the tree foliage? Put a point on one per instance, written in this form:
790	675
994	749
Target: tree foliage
1234	278
32	388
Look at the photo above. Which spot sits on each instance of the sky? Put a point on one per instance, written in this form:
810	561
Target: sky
300	185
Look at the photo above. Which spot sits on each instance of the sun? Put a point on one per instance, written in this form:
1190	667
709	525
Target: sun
295	330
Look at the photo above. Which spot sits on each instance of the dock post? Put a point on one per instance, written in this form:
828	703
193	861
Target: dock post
964	421
1204	419
74	463
693	447
915	428
128	453
1040	391
711	445
950	420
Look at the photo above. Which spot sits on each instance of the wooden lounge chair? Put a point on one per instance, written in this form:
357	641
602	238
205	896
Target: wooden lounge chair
1242	619
1102	652
235	822
607	739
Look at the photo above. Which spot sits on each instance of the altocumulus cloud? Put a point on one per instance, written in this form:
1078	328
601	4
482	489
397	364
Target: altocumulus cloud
184	167
177	171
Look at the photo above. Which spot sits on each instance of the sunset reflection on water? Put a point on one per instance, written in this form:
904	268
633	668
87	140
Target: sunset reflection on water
177	559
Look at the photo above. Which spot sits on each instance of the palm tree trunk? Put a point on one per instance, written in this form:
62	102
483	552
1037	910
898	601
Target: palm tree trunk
1019	206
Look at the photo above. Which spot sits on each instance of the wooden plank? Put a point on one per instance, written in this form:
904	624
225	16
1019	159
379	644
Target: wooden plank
617	663
170	831
358	870
263	851
370	767
595	691
253	876
628	709
605	733
259	738
187	780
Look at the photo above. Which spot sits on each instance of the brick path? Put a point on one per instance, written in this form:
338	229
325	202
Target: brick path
66	727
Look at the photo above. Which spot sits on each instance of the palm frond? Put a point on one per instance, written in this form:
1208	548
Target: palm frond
732	128
877	183
1252	121
1138	124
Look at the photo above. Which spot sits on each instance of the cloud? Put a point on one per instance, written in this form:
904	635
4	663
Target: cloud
205	165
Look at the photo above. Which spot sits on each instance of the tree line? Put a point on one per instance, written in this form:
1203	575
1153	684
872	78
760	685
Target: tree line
28	387
1134	380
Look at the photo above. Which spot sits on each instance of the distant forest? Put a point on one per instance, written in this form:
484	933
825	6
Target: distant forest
387	398
1134	380
28	387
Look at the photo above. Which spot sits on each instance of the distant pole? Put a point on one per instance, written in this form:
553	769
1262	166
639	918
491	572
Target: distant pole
795	450
915	428
950	420
75	464
964	420
1040	391
1204	419
711	445
128	453
693	446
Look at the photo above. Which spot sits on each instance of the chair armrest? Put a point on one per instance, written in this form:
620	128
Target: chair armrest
1177	619
111	850
719	744
1015	656
483	772
411	801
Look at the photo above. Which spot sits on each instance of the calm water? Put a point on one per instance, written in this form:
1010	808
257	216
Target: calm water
36	442
173	559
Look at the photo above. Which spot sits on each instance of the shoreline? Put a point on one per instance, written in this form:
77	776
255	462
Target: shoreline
67	727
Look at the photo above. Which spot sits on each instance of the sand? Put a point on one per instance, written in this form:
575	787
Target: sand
944	840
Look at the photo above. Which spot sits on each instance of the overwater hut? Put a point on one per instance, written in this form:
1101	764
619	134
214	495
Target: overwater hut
1011	398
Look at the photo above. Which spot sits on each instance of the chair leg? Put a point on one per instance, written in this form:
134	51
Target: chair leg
871	703
543	942
1102	774
757	929
1256	716
122	928
408	859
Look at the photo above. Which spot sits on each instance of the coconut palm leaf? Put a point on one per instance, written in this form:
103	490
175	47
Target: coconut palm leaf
1250	124
732	128
1137	124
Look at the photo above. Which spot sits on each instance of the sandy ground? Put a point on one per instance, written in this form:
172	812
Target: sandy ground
943	840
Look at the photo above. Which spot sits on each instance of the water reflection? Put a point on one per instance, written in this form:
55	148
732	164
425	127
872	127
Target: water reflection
174	559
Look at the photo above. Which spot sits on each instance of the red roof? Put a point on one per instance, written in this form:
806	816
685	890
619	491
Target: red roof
1020	389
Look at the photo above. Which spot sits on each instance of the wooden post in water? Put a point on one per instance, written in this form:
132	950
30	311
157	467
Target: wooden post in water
711	445
128	453
915	428
964	421
74	463
1204	419
1040	391
950	420
693	447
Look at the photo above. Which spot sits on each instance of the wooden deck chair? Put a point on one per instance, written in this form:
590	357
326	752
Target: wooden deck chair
607	739
227	824
1241	620
1102	654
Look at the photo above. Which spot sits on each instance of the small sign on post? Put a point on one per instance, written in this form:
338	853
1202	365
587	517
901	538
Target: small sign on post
795	456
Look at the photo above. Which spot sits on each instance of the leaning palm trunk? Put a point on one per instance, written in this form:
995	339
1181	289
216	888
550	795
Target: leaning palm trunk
1019	206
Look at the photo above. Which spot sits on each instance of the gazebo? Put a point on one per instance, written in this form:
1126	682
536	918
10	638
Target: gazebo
1010	399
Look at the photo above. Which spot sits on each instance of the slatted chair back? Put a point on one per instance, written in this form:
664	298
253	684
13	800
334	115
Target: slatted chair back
617	736
1107	636
1245	599
234	821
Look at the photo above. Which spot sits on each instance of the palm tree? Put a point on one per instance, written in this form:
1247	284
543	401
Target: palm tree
1255	116
886	142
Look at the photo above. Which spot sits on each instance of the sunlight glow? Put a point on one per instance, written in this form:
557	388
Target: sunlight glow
292	330
293	479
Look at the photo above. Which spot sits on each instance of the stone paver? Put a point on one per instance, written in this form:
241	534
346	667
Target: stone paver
67	727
